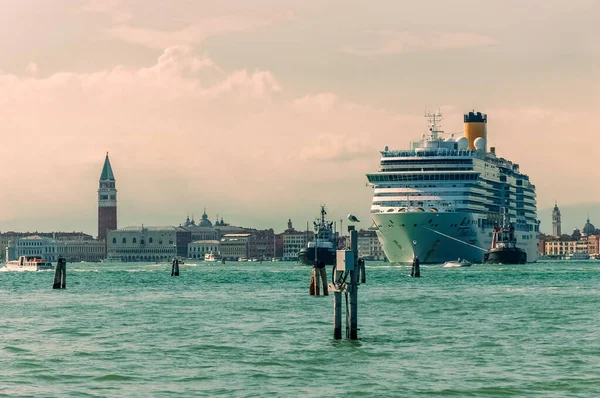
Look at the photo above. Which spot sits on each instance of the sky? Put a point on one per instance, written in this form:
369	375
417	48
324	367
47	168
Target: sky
262	110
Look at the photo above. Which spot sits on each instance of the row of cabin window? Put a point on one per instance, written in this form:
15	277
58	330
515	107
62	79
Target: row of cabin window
422	177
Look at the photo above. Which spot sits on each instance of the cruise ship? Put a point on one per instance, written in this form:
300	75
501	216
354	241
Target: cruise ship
441	199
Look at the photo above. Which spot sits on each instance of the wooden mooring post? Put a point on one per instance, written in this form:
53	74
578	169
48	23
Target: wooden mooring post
60	275
175	267
318	278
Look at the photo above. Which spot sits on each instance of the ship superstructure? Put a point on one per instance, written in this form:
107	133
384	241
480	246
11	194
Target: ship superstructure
440	199
323	247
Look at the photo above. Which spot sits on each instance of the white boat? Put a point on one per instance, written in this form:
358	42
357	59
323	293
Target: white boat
111	259
578	256
29	263
442	197
457	263
242	259
211	257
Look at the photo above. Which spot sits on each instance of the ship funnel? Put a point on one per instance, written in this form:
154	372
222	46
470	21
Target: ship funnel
475	127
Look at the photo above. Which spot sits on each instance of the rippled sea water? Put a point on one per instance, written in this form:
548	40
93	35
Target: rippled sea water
251	329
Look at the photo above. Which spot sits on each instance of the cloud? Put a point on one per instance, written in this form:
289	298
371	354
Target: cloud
386	42
177	130
336	148
113	8
198	32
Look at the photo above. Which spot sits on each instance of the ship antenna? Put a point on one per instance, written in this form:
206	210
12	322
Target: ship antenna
434	119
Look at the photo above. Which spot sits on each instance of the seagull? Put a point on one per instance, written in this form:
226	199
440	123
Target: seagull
353	218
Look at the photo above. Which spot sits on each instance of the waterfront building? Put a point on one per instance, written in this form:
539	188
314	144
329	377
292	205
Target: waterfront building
204	230
293	240
556	221
148	243
107	201
594	245
11	237
584	241
261	244
369	246
234	246
50	249
564	248
199	248
588	228
292	243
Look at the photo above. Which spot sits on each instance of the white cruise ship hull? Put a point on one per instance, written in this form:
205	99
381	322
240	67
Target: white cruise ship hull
440	237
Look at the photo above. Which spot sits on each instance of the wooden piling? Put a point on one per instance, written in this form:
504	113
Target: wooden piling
175	267
314	283
353	289
361	267
416	268
337	315
318	278
60	275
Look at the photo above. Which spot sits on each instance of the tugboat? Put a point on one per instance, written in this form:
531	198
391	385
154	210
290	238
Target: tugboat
323	247
504	247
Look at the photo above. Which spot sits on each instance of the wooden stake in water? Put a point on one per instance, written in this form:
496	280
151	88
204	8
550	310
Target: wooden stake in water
337	315
318	278
60	275
175	267
353	288
415	271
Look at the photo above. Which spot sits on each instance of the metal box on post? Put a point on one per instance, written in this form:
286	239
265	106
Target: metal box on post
344	260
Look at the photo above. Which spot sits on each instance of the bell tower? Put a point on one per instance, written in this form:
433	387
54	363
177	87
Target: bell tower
107	201
556	220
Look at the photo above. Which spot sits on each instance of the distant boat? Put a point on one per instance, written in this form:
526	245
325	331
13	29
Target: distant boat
111	259
242	259
29	263
323	247
457	263
211	257
578	256
504	246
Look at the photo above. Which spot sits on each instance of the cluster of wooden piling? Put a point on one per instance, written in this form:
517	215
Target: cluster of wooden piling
318	279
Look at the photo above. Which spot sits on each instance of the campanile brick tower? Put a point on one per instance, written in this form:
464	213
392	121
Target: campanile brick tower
107	201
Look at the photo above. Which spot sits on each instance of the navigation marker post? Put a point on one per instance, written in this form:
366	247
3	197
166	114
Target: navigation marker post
60	275
347	265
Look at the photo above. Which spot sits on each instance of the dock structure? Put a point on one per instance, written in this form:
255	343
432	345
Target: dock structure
348	272
60	275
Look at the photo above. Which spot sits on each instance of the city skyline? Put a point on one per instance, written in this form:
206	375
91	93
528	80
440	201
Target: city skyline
241	110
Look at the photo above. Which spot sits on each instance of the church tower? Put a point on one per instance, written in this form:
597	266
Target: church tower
556	221
107	201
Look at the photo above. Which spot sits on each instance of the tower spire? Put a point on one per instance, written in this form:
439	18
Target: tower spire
107	173
107	200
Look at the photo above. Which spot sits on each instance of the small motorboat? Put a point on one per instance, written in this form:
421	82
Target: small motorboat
457	263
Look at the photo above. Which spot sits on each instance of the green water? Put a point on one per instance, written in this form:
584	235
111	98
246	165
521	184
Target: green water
242	330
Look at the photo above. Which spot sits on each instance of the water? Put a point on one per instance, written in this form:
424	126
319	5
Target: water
252	330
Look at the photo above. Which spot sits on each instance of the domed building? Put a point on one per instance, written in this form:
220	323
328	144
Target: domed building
588	228
189	222
205	222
